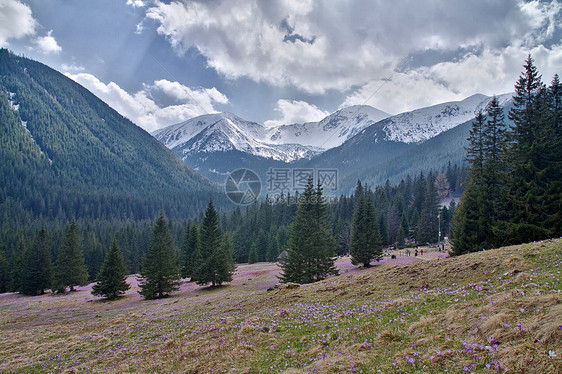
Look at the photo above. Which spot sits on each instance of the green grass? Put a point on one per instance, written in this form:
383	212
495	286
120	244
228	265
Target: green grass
474	313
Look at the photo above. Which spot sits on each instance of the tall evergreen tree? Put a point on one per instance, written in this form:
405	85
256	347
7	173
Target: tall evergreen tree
38	267
190	253
527	151
494	184
311	244
366	243
475	149
71	269
217	264
160	275
111	280
467	233
554	191
427	225
272	248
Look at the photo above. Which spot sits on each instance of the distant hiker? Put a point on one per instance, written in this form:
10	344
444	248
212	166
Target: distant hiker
443	246
422	252
416	253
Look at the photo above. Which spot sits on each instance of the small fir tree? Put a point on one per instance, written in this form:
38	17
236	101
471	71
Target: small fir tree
160	275
111	280
311	244
38	267
71	269
191	253
366	243
217	265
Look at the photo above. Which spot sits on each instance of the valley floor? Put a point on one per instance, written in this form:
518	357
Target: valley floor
492	311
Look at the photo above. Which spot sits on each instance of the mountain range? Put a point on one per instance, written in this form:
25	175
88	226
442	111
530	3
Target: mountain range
361	142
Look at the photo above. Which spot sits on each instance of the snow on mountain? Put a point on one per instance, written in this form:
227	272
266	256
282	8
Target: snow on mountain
425	123
225	131
330	132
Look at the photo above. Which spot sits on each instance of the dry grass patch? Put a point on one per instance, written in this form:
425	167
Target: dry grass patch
476	313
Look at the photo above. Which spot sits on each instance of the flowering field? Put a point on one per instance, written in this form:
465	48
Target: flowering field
493	311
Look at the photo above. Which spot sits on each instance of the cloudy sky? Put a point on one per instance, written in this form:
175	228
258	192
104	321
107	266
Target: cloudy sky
284	61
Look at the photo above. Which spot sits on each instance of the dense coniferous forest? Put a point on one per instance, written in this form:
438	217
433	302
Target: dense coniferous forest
514	189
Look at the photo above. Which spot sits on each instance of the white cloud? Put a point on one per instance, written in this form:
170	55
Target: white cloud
136	3
143	110
47	44
322	45
72	67
16	21
489	73
294	111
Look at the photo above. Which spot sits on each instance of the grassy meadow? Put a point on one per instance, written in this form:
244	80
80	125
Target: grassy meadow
487	312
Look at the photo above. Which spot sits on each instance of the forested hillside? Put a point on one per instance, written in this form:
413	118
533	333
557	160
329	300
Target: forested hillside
65	154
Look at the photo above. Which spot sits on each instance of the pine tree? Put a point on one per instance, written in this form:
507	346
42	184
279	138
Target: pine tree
272	248
111	280
71	269
554	189
160	275
427	225
467	234
17	266
526	154
366	242
38	267
217	264
226	266
475	150
494	185
253	255
190	253
311	244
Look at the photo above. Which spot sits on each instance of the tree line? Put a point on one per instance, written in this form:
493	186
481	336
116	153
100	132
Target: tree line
514	189
391	215
206	257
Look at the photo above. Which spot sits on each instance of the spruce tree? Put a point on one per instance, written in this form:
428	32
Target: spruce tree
226	266
71	269
190	253
38	267
366	242
17	266
253	255
554	190
467	234
494	184
427	225
272	248
311	244
160	275
113	273
217	265
527	148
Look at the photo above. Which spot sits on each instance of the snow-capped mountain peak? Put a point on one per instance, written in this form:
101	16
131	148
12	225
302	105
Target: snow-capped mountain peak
226	131
422	124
